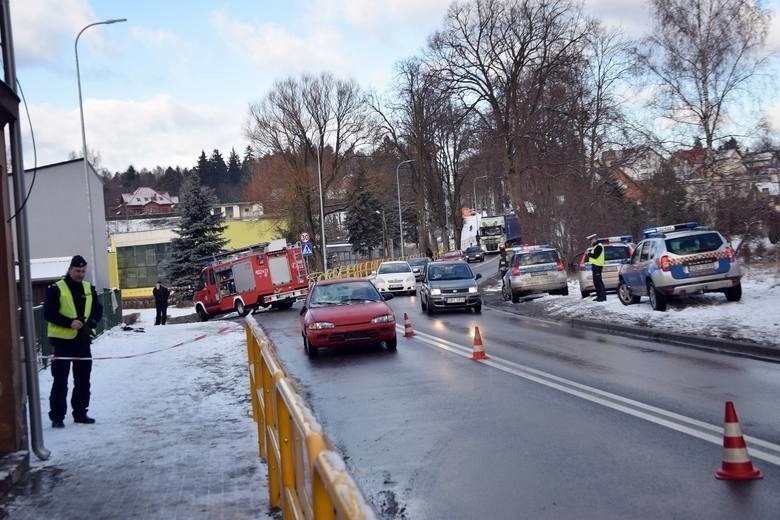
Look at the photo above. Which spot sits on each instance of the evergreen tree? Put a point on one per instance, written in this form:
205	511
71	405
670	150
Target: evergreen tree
170	181
129	179
219	178
234	176
364	222
200	234
697	143
204	169
246	165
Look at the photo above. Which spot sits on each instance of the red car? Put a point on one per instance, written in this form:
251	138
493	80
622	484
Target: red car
457	254
346	312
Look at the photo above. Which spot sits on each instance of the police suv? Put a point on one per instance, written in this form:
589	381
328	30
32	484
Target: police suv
534	269
617	251
679	260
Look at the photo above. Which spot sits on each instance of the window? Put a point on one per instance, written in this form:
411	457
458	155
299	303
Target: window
141	266
398	267
536	258
693	244
646	247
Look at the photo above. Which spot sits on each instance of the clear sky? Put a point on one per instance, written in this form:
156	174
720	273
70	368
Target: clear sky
179	75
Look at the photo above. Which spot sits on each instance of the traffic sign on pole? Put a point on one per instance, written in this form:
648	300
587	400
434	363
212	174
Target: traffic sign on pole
307	249
304	237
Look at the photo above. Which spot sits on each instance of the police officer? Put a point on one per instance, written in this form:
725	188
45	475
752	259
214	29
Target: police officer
596	257
72	311
161	294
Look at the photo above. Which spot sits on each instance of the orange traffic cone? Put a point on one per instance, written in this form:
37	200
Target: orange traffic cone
736	462
478	352
408	331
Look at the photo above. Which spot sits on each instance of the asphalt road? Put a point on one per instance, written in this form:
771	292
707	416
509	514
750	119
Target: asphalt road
556	424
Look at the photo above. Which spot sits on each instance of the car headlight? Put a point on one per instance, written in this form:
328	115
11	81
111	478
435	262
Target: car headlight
387	318
410	279
473	290
435	292
380	281
317	325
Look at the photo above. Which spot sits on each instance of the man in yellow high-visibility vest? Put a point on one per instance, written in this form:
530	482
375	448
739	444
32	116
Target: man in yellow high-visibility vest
72	310
596	257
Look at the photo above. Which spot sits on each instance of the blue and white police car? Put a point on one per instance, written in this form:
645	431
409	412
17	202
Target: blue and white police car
679	260
534	269
617	251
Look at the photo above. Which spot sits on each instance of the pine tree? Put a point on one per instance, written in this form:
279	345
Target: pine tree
200	234
234	183
219	178
246	165
364	222
204	169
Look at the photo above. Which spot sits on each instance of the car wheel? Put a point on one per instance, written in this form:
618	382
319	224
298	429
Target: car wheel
734	294
564	291
202	314
625	296
392	345
585	294
429	308
478	309
657	300
308	348
515	297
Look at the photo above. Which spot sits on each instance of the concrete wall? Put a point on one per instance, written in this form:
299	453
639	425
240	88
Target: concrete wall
58	217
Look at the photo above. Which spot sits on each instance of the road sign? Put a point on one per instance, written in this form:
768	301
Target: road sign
307	249
304	237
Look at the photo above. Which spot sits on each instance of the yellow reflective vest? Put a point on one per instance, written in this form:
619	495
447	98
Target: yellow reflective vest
598	260
68	309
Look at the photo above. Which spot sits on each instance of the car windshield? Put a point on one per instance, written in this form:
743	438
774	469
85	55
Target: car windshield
343	293
692	244
472	249
414	262
454	271
397	267
536	258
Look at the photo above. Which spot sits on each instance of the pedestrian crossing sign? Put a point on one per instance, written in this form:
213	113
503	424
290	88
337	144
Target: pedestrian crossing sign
307	249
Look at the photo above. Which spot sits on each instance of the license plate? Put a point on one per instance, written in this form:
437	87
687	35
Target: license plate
540	273
456	300
396	286
702	267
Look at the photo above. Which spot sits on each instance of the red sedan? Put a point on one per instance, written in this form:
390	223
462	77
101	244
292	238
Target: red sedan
457	254
346	312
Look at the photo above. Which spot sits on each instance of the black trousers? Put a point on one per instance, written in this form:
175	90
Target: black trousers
162	312
598	282
60	370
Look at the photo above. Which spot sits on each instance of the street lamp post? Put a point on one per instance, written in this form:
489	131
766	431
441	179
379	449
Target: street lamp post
474	184
322	214
93	255
384	231
400	216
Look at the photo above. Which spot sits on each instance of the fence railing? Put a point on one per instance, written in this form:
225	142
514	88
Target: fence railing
306	478
112	316
361	269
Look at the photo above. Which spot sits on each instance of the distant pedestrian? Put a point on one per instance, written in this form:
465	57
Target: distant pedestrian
72	310
596	257
161	295
429	253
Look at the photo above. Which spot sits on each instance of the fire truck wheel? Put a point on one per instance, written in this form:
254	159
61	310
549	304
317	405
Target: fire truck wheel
241	309
202	314
282	305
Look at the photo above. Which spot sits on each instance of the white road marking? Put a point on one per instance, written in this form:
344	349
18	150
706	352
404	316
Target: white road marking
653	414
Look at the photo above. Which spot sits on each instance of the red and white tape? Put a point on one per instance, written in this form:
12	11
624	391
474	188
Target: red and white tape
128	356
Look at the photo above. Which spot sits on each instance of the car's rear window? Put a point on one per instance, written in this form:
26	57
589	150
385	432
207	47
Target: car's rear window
693	244
394	268
616	253
453	271
536	258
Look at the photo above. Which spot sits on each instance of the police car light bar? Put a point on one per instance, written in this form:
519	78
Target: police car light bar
626	239
537	247
668	229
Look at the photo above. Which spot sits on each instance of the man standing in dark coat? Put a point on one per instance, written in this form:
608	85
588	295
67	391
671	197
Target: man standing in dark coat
161	294
72	310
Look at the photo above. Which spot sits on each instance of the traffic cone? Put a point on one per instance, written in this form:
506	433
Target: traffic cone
478	353
736	462
408	331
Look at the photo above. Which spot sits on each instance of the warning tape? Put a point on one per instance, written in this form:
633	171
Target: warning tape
128	356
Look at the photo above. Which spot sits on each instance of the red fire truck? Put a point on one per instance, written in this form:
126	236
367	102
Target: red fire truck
243	280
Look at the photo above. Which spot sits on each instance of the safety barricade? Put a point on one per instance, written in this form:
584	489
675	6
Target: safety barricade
307	479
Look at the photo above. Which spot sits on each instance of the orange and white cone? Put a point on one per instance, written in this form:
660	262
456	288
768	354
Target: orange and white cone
736	462
478	353
408	331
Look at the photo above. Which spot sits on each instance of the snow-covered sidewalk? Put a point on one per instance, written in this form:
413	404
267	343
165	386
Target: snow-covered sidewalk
174	436
755	318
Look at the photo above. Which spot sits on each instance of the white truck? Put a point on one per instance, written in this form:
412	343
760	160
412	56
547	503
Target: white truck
492	233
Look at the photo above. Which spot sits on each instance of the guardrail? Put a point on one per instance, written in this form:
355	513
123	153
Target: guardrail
306	478
361	269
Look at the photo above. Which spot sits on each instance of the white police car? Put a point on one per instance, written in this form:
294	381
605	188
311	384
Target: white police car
534	269
679	260
617	251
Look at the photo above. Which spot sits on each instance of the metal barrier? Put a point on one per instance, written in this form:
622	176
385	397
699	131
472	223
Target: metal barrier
306	478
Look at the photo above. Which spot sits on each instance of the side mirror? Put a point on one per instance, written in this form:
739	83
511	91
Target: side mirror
478	276
303	310
373	273
387	296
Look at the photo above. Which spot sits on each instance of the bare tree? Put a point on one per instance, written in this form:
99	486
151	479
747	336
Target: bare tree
700	54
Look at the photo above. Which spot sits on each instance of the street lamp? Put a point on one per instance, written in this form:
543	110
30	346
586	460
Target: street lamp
400	217
474	184
93	255
384	231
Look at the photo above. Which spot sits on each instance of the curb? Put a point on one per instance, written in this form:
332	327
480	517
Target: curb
725	346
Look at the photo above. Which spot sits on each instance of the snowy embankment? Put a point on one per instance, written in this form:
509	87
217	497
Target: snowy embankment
174	435
755	318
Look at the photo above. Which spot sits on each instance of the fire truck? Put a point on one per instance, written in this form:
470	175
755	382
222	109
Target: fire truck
269	274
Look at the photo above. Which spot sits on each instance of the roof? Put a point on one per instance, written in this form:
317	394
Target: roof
692	156
341	280
44	269
144	195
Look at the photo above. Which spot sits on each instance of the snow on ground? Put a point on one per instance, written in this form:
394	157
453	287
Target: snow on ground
755	318
174	436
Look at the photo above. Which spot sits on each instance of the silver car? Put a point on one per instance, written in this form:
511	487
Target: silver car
534	269
680	260
617	251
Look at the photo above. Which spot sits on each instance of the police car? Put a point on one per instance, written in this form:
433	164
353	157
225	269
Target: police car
617	251
679	260
534	269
